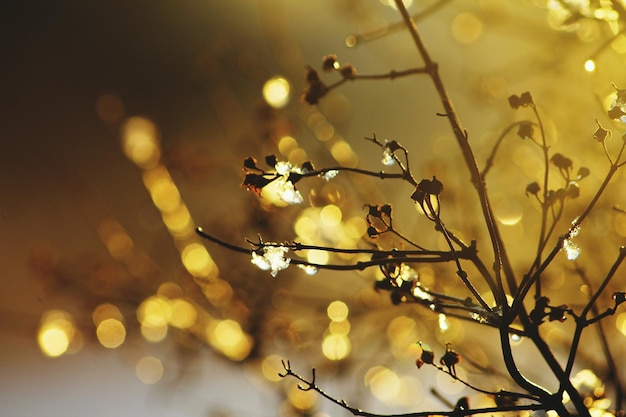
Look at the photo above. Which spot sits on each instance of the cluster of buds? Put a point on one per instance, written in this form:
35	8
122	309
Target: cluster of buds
316	88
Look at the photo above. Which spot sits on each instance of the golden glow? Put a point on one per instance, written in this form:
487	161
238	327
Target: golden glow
590	65
53	341
153	333
307	229
319	257
356	227
343	153
178	221
140	143
170	290
111	333
154	311
197	261
330	215
228	337
508	211
339	328
105	311
337	311
302	400
149	370
336	347
287	144
271	367
218	293
276	91
383	383
165	194
184	314
115	238
56	333
466	28
620	323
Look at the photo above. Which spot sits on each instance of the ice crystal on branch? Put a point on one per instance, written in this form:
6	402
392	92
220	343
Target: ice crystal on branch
273	258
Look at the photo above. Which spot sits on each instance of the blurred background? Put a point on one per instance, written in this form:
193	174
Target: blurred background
125	125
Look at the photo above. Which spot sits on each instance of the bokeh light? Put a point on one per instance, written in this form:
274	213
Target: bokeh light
276	91
149	370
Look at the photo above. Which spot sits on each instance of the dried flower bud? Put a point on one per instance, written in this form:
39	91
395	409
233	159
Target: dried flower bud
329	63
250	163
601	133
561	161
525	130
533	188
348	71
524	100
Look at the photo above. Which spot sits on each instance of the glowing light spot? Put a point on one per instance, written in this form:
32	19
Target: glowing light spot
184	314
307	229
337	311
154	311
178	221
153	333
287	144
276	91
343	153
228	337
170	290
351	41
383	383
56	333
197	260
466	28
331	215
301	400
590	65
318	257
53	341
271	367
140	143
111	333
507	210
105	311
149	370
164	194
444	325
339	328
336	347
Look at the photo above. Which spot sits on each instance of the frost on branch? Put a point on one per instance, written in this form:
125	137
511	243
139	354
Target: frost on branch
273	258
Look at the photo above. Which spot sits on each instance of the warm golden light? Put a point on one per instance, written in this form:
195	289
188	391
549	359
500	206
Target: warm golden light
466	27
228	337
56	333
105	311
276	91
590	65
165	194
154	311
149	370
271	367
302	400
197	261
337	311
140	142
111	333
153	333
330	215
183	314
620	323
336	347
383	383
178	221
53	341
